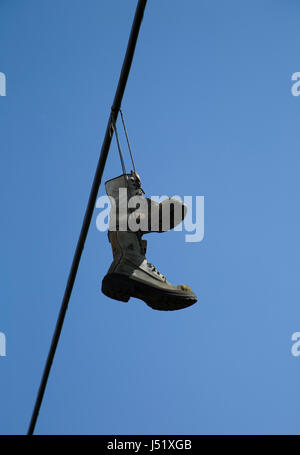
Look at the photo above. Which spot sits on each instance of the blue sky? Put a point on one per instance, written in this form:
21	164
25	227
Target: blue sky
209	111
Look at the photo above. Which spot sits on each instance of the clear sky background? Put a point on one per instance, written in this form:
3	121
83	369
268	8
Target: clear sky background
209	111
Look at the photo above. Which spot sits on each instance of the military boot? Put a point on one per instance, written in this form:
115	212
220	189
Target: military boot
143	214
130	274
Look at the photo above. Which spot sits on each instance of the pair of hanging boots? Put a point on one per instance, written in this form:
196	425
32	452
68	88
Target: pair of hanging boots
130	274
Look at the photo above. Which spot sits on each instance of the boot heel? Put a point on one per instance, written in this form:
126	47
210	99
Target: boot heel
114	289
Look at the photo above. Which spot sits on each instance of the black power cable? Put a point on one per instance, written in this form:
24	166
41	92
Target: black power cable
90	206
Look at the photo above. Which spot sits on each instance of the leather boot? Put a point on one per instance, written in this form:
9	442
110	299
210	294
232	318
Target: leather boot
144	214
130	274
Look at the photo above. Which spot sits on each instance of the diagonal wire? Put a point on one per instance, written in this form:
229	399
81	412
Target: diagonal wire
90	207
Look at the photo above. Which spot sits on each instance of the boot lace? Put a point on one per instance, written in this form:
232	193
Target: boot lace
154	269
136	181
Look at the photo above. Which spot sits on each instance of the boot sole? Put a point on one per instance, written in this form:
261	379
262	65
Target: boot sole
120	287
